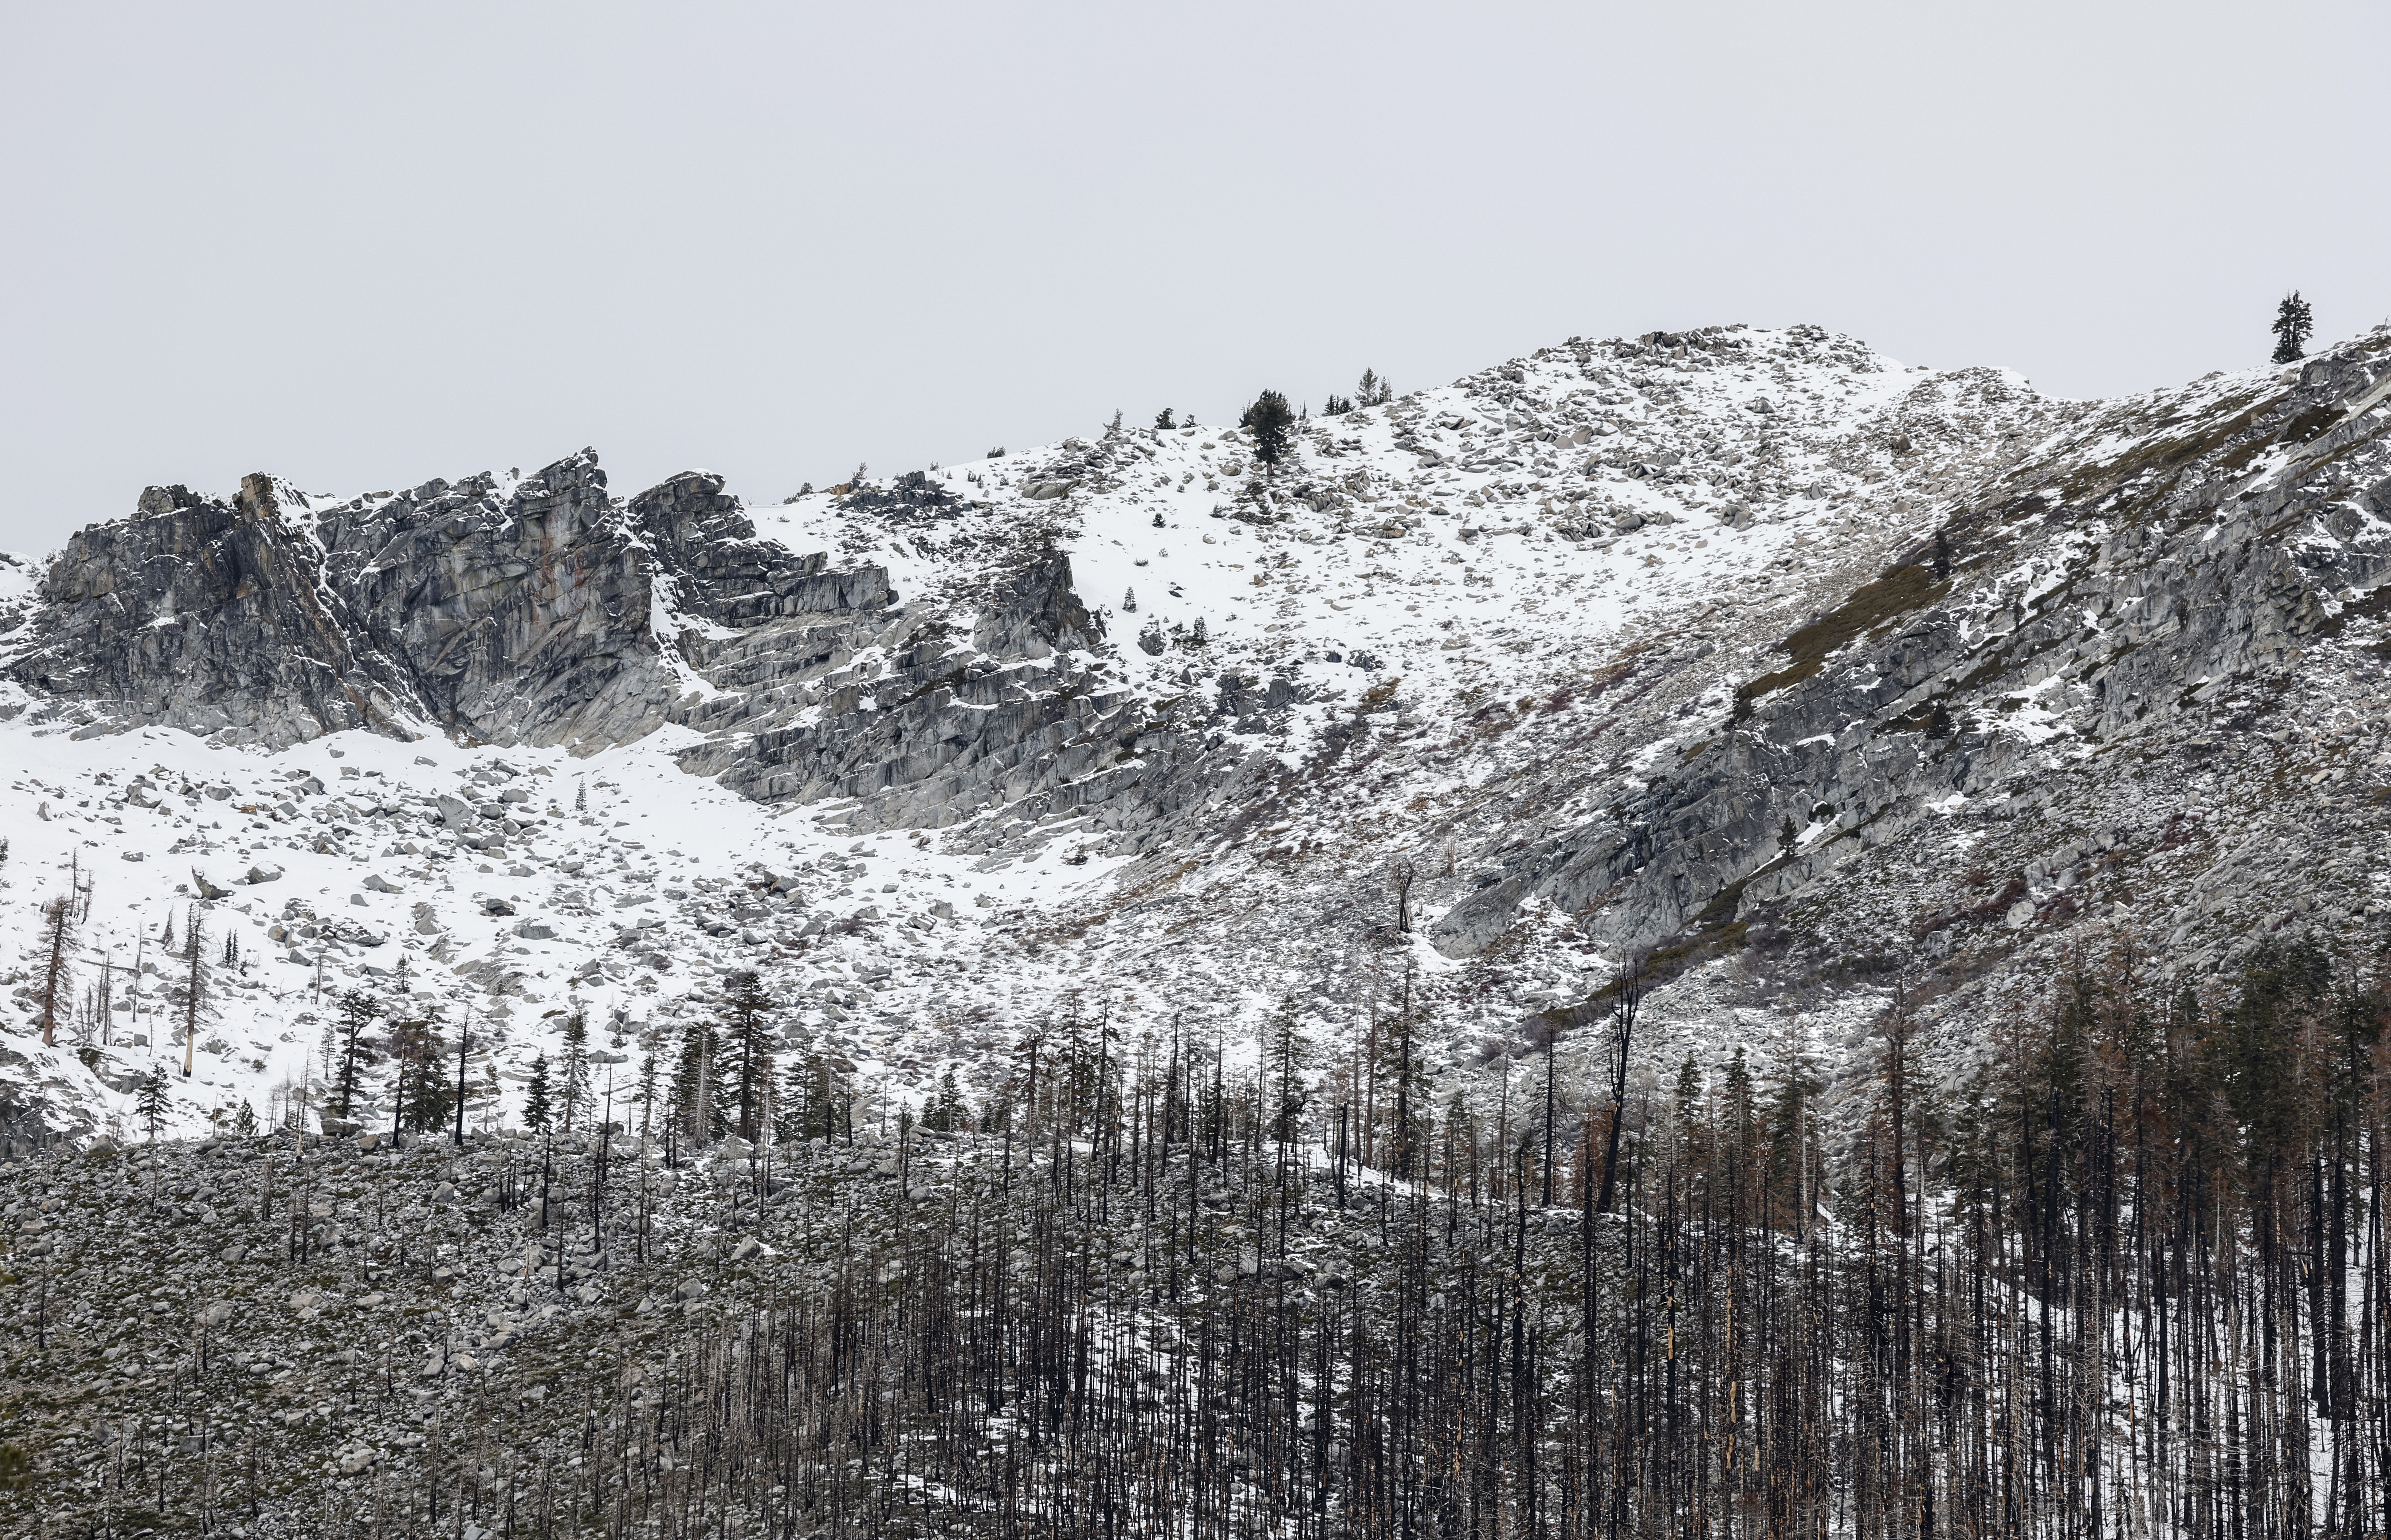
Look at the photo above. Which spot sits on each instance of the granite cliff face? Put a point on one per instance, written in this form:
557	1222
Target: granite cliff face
210	615
545	612
535	611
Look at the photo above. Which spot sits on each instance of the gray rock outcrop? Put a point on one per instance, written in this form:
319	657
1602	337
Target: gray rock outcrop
2176	576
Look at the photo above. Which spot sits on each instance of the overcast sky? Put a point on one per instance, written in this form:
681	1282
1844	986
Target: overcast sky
777	239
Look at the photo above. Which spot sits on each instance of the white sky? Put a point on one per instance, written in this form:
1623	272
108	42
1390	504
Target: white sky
775	239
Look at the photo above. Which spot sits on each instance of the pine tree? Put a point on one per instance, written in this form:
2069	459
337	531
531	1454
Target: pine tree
244	1123
1163	419
696	1090
537	1114
1129	602
195	984
150	1100
945	1111
358	1009
1272	424
2293	327
814	1093
572	1087
745	1014
420	1096
581	796
1112	429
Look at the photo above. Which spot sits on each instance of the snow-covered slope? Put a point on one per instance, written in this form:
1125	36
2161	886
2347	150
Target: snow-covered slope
1800	666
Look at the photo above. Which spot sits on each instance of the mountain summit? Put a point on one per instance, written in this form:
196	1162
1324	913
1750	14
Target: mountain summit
1749	651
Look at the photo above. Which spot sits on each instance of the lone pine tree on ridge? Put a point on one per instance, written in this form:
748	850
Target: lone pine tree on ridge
2294	325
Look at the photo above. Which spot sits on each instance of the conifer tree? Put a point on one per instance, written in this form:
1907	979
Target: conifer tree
150	1100
945	1111
745	1015
195	986
358	1009
573	1088
1164	419
1272	423
537	1113
420	1095
696	1092
814	1100
2293	327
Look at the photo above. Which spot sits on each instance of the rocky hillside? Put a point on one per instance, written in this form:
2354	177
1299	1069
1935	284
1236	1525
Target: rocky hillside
1793	670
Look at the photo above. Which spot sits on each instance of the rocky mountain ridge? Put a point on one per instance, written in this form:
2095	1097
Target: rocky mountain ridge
1794	670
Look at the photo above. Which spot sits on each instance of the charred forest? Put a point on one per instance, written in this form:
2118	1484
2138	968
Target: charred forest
2126	1275
2128	1278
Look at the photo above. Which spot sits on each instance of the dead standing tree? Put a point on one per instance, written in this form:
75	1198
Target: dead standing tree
57	933
1544	1035
1626	994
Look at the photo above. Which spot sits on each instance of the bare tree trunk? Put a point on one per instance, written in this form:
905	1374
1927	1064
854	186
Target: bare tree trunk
58	924
1626	993
464	1037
